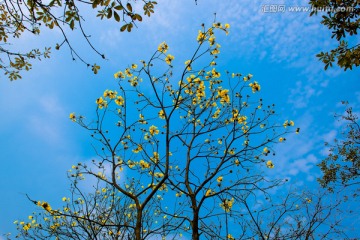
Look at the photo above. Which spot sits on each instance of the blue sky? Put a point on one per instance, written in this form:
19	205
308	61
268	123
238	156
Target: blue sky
39	143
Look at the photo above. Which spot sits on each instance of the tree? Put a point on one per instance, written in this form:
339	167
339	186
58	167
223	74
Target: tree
342	166
17	17
181	151
343	18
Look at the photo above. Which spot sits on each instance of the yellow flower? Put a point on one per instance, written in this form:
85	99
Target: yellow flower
138	149
219	179
101	103
110	94
282	139
308	200
288	123
188	65
27	226
266	151
215	74
217	25
153	130
269	164
217	113
128	72
169	58
158	175
212	40
142	120
99	100
155	158
224	96
227	26
237	162
227	204
163	47
44	205
72	116
134	66
119	100
144	164
161	114
215	51
119	74
209	192
297	131
64	199
201	36
255	87
131	164
103	190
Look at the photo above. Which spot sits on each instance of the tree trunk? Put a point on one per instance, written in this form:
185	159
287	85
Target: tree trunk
138	225
195	224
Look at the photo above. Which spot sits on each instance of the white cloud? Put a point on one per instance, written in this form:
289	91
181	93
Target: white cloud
303	165
46	123
330	136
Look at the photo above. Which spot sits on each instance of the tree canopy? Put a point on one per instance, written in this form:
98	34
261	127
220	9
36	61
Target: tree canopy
196	160
343	19
32	16
342	166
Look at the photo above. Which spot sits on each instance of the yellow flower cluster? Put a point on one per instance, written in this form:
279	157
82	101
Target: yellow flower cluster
119	100
44	205
255	86
110	94
153	130
119	74
155	158
161	114
101	103
209	34
137	149
227	204
216	113
169	58
128	72
237	117
288	123
163	47
223	94
144	165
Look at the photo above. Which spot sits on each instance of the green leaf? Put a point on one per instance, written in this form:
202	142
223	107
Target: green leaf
138	17
109	13
72	24
129	7
129	27
123	28
95	68
119	7
116	16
